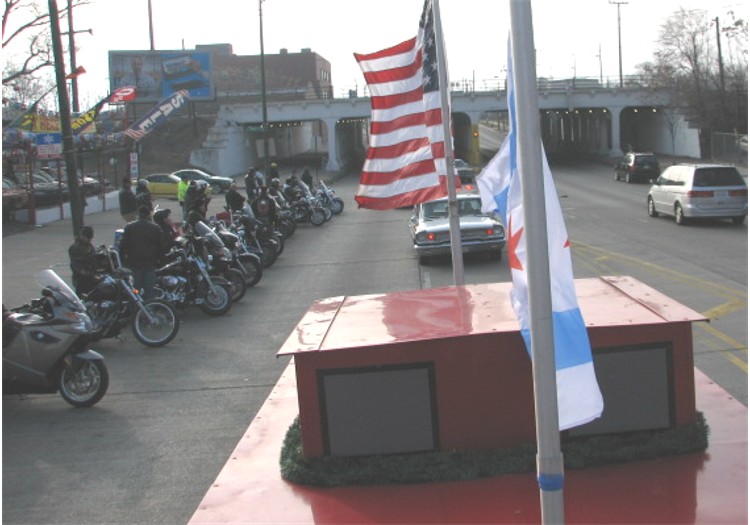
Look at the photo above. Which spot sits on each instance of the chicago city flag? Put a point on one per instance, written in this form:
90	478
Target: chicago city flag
579	399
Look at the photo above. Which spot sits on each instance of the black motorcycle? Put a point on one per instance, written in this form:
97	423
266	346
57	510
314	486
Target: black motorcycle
185	281
218	258
247	263
114	301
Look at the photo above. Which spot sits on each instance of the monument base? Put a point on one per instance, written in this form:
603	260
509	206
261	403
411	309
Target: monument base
709	487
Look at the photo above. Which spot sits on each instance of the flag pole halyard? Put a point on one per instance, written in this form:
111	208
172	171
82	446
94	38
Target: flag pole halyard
549	457
453	219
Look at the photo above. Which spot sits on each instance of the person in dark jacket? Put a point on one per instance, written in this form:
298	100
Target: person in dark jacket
142	250
234	199
143	195
163	219
83	261
128	206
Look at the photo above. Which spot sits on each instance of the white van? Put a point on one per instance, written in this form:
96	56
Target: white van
699	190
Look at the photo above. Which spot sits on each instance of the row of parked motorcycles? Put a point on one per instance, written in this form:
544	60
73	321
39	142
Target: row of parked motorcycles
211	266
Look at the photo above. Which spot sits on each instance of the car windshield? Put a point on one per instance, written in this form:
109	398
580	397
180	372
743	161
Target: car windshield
435	210
728	176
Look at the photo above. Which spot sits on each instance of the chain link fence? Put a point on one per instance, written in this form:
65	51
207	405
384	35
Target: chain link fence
729	148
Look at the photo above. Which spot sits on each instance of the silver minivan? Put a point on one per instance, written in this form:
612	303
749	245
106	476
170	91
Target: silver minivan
699	190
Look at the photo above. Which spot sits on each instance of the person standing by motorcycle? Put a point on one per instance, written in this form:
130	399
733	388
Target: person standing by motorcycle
251	183
128	205
235	201
291	189
142	250
143	195
307	177
170	232
182	188
83	261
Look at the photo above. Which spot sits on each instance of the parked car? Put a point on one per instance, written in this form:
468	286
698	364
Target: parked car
699	190
464	171
637	167
216	183
15	197
430	228
163	185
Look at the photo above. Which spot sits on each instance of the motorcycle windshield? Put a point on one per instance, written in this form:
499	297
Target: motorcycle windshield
49	279
208	235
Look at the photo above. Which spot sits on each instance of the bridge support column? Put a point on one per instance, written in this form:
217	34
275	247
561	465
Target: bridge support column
333	163
615	149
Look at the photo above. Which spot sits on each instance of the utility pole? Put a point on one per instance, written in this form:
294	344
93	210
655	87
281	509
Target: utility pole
76	204
619	33
151	27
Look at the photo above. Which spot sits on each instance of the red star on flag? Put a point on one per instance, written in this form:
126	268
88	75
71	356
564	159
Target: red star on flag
513	260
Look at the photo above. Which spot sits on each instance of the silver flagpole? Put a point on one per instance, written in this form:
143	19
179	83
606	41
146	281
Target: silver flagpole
453	220
549	456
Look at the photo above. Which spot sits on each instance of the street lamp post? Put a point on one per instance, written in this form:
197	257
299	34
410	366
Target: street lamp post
619	34
263	91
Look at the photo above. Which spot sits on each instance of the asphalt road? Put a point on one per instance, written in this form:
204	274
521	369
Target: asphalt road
151	448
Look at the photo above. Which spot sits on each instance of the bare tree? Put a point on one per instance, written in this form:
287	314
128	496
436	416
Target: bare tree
26	41
688	63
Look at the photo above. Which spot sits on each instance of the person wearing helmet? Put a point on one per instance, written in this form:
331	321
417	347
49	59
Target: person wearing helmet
170	232
83	261
143	195
273	170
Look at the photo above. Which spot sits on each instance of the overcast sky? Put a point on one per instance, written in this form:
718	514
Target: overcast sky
568	34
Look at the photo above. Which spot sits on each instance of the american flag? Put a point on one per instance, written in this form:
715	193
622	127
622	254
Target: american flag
405	163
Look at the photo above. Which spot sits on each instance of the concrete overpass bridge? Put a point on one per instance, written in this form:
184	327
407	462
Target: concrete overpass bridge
574	120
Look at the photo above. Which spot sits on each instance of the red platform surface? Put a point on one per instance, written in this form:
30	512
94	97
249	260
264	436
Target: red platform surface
708	487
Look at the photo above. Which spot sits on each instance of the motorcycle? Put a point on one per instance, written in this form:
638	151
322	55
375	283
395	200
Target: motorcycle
307	209
209	247
185	281
114	301
259	238
248	264
327	197
45	347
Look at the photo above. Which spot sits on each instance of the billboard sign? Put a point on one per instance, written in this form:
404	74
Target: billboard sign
159	74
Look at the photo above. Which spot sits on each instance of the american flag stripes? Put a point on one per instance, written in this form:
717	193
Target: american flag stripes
405	163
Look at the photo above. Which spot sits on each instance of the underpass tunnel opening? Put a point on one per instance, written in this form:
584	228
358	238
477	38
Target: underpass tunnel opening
576	131
352	143
640	128
290	143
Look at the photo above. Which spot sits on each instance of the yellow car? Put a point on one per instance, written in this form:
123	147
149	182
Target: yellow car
163	185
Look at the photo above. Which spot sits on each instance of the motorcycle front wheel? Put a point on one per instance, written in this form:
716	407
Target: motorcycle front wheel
84	385
317	216
237	284
253	270
161	329
337	205
218	301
